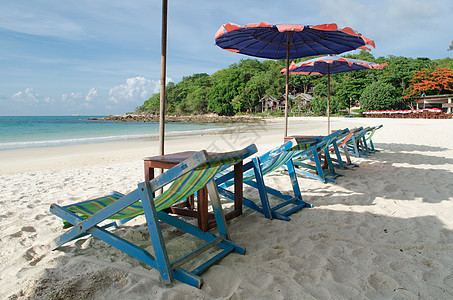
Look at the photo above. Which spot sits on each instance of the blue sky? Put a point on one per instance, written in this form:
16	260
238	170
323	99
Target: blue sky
97	57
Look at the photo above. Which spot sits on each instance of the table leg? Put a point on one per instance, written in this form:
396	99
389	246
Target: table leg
203	209
238	184
149	171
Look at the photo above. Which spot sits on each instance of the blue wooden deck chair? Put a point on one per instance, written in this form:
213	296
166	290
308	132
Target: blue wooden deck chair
303	161
254	173
368	139
335	146
355	144
358	146
184	179
340	147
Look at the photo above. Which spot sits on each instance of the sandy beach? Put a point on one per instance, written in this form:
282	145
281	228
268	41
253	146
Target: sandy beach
382	231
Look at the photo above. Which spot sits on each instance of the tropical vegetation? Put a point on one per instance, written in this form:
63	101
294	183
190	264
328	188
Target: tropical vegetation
240	87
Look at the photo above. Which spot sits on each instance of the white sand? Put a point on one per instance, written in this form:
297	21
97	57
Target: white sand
382	231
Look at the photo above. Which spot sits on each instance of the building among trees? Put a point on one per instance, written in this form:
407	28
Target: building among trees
444	102
298	103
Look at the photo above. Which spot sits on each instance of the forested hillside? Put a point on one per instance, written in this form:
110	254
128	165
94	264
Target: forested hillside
239	88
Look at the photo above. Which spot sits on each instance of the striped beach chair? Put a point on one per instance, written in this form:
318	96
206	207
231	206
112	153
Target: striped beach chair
368	139
341	147
309	163
258	167
357	145
183	180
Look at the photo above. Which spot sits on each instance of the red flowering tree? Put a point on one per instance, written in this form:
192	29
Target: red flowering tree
436	82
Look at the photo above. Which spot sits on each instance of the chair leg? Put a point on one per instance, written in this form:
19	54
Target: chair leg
348	157
294	182
299	202
217	208
355	146
331	174
262	188
372	146
160	251
337	153
318	165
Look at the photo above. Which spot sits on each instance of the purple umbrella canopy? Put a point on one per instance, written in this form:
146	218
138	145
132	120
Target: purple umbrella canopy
288	42
328	65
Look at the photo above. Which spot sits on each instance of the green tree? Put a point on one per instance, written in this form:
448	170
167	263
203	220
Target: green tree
151	105
379	96
400	69
226	85
189	95
319	101
197	100
260	85
302	82
351	85
446	62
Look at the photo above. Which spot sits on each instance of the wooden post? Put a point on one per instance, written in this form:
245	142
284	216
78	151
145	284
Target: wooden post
328	99
163	71
286	87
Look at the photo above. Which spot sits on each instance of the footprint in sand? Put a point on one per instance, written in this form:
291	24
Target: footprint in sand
32	257
16	234
449	280
28	229
381	282
39	217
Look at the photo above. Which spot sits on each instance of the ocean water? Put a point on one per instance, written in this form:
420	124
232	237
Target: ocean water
52	131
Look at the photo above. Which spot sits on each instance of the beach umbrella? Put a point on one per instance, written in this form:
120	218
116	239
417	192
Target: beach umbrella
288	42
328	65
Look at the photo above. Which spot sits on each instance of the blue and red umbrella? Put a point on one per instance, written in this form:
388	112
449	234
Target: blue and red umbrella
288	42
328	65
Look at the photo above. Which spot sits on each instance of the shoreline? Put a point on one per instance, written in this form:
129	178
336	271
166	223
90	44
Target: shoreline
13	146
103	153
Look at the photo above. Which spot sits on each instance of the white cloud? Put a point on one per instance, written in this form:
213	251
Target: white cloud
92	94
49	100
73	97
27	96
136	90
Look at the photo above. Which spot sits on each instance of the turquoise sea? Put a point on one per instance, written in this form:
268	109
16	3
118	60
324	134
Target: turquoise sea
50	131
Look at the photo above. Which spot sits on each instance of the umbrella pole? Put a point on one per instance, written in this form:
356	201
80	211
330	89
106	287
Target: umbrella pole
286	88
163	71
328	100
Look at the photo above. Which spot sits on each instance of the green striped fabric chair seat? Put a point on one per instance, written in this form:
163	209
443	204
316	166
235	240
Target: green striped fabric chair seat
370	133
303	156
277	161
180	189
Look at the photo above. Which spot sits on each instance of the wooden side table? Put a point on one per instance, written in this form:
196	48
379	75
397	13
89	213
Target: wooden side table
205	220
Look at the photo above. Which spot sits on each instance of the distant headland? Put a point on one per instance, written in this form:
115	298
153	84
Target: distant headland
204	118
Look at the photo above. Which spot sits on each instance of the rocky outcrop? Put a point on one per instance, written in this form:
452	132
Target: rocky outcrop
207	118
